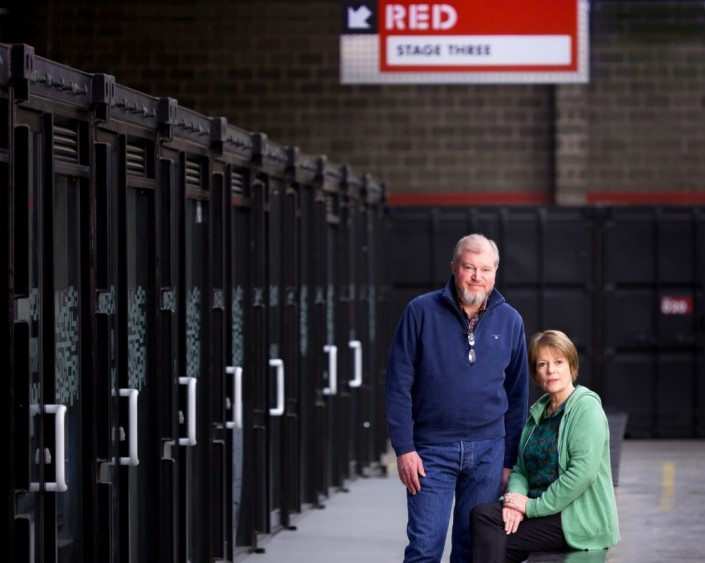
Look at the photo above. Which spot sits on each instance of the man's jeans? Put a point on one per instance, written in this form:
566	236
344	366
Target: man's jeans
470	473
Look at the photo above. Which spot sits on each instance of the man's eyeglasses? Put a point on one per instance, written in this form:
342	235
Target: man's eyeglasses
471	342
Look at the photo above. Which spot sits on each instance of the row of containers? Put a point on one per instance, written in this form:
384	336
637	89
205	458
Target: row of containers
190	345
627	284
198	318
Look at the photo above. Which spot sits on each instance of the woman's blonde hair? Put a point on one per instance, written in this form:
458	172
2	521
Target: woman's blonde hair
557	341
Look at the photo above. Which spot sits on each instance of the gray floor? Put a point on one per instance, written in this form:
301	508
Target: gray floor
660	496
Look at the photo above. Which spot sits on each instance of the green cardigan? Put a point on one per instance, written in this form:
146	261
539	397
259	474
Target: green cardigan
583	492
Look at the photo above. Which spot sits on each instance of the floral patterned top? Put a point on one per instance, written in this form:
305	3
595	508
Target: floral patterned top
541	453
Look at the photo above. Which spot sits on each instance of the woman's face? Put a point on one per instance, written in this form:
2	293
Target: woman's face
554	374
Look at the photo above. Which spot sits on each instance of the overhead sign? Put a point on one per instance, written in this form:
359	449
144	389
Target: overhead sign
676	305
464	41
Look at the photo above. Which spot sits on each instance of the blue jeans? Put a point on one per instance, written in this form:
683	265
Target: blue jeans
467	472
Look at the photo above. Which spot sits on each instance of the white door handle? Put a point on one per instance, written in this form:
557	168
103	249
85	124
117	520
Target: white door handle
133	458
279	409
332	351
60	485
190	439
356	345
236	372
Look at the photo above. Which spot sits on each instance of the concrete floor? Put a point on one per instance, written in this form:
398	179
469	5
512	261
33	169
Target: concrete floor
661	501
660	496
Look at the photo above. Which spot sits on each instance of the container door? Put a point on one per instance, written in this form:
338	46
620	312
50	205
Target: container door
7	333
322	377
170	505
106	396
380	327
334	404
345	430
652	319
219	485
129	449
278	370
256	377
139	397
311	344
283	358
361	343
51	257
194	436
290	468
238	372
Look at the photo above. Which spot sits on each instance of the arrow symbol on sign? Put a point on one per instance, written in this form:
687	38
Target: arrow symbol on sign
357	19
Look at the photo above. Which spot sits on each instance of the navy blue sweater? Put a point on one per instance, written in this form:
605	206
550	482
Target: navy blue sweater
434	395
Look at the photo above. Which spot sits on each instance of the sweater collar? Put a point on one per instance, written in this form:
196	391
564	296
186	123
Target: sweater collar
540	405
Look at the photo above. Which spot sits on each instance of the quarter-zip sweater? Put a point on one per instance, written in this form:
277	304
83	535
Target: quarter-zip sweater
583	493
434	395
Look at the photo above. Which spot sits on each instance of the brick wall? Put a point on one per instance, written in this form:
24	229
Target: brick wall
635	132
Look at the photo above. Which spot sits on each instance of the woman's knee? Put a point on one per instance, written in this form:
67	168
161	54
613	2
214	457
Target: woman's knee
484	513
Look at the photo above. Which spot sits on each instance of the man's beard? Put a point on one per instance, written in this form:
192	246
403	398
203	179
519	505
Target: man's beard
467	298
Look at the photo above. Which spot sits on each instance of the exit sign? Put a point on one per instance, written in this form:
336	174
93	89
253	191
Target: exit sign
676	305
537	41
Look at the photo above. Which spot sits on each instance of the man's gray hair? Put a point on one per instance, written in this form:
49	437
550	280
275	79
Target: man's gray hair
475	243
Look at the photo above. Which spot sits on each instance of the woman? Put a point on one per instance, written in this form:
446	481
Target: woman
560	494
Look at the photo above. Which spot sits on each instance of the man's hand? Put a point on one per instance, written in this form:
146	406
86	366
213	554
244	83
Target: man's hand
410	466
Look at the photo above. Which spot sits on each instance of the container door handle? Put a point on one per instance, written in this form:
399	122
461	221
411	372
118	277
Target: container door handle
356	345
133	458
332	351
60	485
236	372
279	409
190	439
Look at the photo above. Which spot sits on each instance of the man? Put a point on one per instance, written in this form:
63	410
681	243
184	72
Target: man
457	399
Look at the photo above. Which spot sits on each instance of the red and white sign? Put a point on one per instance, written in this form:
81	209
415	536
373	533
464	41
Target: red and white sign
507	35
474	41
676	305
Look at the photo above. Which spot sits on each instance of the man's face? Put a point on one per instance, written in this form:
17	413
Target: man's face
474	275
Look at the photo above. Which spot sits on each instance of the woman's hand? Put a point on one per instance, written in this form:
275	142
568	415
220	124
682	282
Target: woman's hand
512	518
516	501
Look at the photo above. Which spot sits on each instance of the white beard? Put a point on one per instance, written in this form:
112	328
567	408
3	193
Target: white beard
467	298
